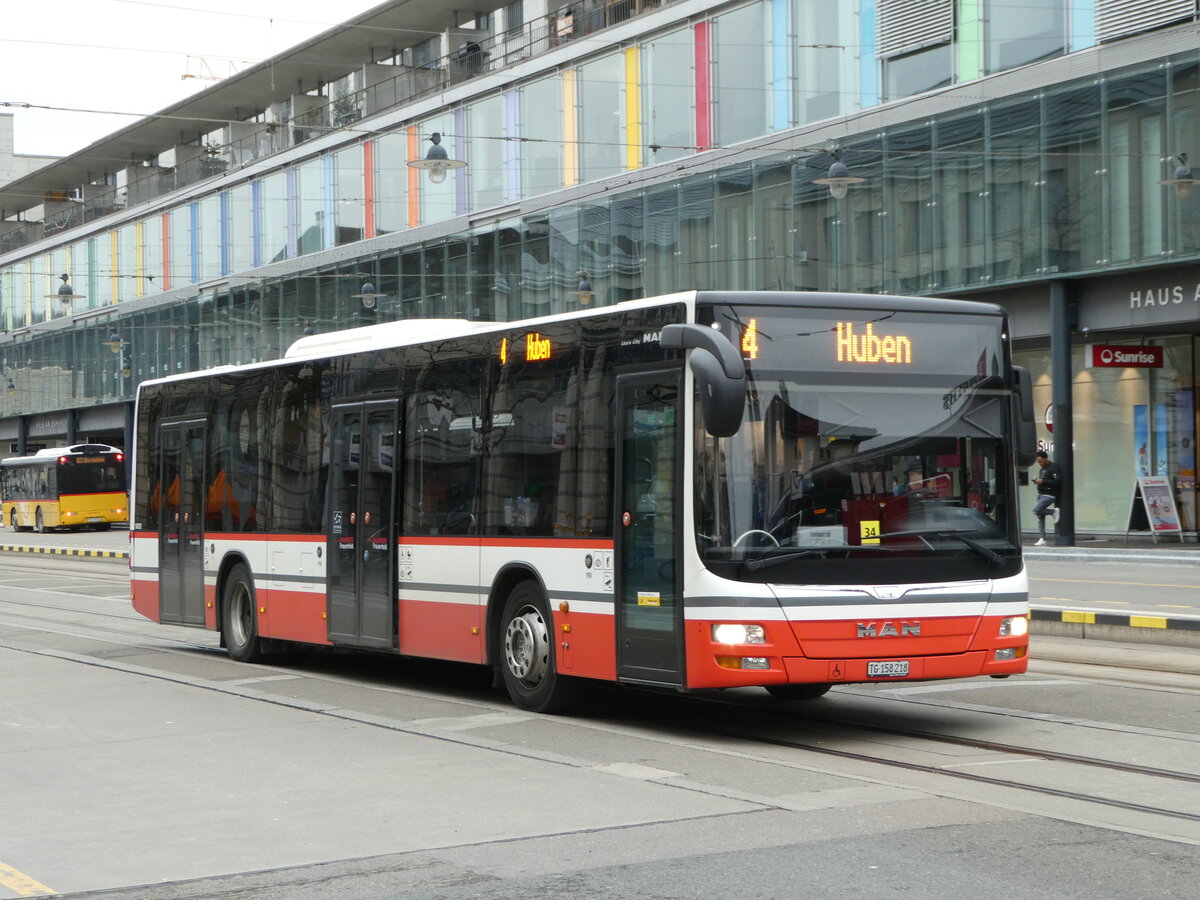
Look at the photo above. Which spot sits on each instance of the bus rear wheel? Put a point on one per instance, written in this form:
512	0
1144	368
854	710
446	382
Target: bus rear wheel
528	660
39	524
239	617
798	691
12	520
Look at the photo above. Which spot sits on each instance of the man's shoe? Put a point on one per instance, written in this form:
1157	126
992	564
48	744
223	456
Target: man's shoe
1040	542
1055	513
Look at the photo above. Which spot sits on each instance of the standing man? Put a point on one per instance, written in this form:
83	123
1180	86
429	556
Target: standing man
1049	482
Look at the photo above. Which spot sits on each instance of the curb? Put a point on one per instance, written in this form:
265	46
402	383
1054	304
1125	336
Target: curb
65	551
1126	556
1133	628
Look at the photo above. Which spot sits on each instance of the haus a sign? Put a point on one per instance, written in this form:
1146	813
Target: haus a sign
1125	356
1165	295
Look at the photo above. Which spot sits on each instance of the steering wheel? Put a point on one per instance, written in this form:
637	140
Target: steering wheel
746	534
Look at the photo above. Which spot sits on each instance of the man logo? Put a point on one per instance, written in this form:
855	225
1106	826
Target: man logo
888	629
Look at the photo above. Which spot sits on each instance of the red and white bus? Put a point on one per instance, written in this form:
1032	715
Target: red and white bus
703	490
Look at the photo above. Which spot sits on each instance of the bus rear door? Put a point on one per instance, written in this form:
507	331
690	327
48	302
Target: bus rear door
181	531
649	602
361	528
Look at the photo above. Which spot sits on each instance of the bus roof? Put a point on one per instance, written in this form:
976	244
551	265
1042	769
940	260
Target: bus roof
406	332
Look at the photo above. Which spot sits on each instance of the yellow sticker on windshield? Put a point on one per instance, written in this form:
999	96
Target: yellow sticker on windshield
868	531
648	598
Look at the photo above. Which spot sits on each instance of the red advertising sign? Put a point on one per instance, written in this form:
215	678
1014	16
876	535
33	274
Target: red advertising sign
1120	356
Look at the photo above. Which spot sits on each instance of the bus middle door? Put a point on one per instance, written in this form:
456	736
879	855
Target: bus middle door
181	530
361	531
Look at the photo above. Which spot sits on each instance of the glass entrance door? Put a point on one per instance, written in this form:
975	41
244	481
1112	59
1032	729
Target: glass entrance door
181	534
362	524
649	605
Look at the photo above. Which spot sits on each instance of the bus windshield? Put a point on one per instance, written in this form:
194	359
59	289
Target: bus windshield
85	476
870	444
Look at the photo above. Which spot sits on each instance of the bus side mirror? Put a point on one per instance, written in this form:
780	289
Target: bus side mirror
1026	434
720	375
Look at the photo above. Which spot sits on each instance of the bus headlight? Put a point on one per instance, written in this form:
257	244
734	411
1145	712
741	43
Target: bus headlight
729	633
1014	626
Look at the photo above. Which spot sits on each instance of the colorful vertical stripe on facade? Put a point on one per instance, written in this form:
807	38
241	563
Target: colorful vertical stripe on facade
369	188
194	241
461	151
512	147
969	39
166	251
256	222
570	98
1082	25
704	134
223	208
633	108
139	258
868	65
414	179
329	207
781	64
114	260
290	204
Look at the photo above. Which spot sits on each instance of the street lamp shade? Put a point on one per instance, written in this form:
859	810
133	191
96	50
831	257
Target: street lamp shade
66	294
1182	180
114	342
839	178
437	161
369	296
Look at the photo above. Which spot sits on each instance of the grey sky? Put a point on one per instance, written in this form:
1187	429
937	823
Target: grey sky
132	56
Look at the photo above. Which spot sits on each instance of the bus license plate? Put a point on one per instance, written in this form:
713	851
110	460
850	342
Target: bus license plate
889	669
95	518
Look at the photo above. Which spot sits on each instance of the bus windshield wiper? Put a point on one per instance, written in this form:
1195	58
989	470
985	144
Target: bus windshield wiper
986	552
766	562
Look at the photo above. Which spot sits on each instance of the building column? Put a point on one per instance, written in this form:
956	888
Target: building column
1062	322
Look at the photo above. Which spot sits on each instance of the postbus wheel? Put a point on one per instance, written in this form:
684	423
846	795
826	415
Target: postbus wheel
39	524
527	653
12	519
239	617
798	691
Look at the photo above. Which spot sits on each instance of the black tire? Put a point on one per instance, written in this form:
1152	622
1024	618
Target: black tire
102	526
527	658
798	691
12	520
239	617
39	524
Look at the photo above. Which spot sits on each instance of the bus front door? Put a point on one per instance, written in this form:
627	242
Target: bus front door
181	530
361	524
649	604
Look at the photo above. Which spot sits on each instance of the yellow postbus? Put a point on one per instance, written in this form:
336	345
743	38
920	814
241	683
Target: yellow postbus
80	486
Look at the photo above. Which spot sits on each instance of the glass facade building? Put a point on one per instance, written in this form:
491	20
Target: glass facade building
1002	147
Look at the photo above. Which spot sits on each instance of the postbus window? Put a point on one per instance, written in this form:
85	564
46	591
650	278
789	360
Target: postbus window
546	473
442	442
236	478
298	465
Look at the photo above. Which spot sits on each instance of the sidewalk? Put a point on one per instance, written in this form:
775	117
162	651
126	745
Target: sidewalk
1138	548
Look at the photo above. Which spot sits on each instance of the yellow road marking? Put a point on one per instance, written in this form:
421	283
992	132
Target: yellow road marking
1127	583
22	884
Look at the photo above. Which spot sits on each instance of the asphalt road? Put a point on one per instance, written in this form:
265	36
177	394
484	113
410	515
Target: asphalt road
139	760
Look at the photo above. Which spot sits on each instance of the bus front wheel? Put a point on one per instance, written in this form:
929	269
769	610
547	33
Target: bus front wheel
527	653
239	617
